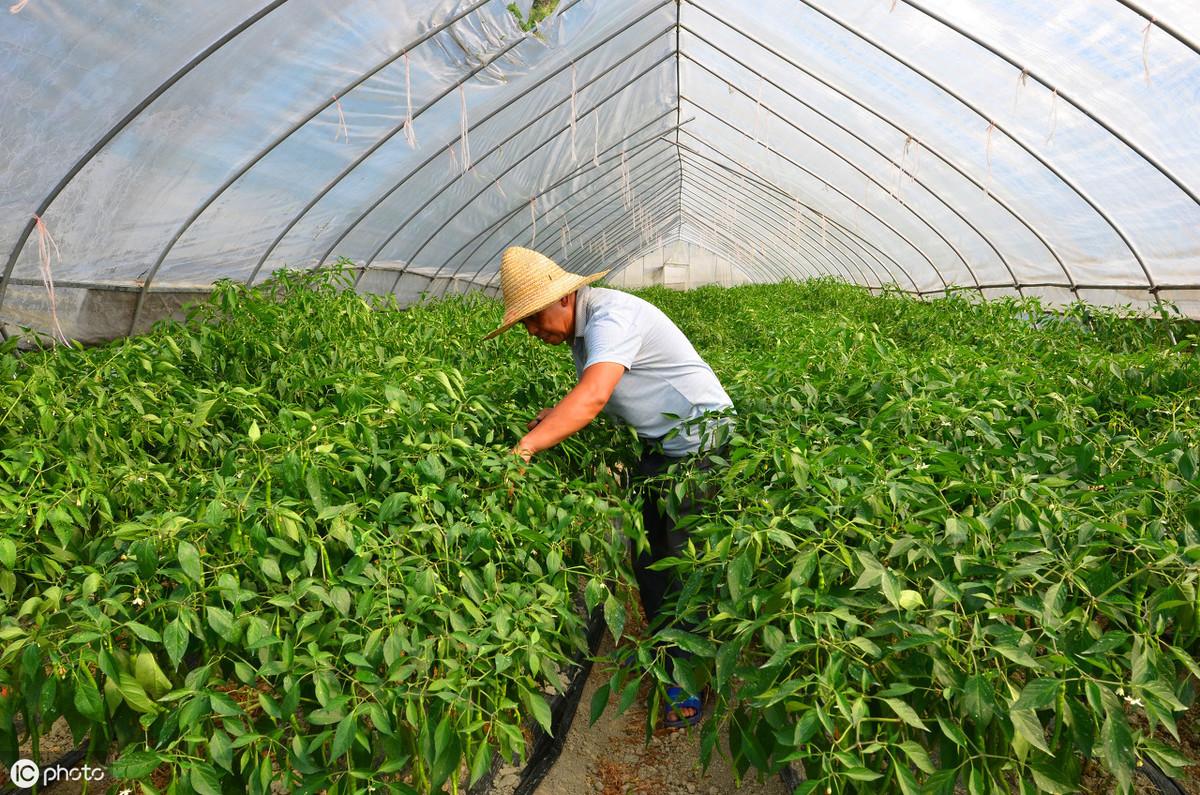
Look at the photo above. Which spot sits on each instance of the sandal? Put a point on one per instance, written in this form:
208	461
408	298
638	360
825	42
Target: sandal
676	701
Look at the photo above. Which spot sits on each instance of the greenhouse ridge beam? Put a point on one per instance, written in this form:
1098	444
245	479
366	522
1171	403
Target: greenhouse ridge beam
116	129
481	237
483	234
834	225
488	186
484	64
488	117
661	167
886	119
495	180
574	173
1080	192
594	185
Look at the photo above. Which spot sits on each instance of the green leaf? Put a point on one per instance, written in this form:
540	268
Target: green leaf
614	616
254	433
1017	655
1026	724
482	762
189	561
8	553
740	572
220	620
906	713
135	764
150	676
88	699
1116	748
978	700
538	707
1038	694
689	642
343	737
144	632
911	599
220	750
135	695
953	733
175	639
918	755
204	779
599	702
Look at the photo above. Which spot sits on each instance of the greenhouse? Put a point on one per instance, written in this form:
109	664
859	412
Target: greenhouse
863	456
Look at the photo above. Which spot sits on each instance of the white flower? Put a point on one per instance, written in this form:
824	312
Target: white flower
314	427
126	791
1133	702
138	601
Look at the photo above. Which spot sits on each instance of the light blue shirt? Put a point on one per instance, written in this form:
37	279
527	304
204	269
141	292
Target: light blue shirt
664	374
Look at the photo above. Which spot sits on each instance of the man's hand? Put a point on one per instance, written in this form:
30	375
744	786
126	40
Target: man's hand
524	453
533	423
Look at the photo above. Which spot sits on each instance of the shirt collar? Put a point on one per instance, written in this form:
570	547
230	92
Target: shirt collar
581	306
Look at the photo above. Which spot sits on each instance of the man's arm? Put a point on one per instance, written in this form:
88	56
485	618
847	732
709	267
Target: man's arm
575	411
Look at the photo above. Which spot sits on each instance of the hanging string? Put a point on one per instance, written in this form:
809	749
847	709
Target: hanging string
900	167
1021	82
1146	48
342	129
409	134
626	189
563	241
574	116
824	239
45	243
988	150
1053	114
16	7
500	188
596	140
533	215
463	131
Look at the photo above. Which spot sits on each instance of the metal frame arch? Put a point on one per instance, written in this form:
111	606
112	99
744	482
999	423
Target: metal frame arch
1164	27
119	127
997	52
656	171
744	171
937	271
370	150
488	117
998	126
492	182
448	219
933	194
484	234
604	225
935	151
705	203
780	219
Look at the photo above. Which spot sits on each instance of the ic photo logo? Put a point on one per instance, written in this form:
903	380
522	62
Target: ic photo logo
24	773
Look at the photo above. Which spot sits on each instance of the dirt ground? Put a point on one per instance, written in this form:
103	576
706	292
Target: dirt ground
611	757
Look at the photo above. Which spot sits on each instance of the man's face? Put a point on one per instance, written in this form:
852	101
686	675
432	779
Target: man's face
554	324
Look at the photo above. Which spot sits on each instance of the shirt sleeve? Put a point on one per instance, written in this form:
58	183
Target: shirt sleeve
612	336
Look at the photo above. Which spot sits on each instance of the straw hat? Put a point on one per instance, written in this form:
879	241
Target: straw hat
531	282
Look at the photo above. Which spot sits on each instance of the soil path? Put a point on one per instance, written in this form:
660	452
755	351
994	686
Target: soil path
612	758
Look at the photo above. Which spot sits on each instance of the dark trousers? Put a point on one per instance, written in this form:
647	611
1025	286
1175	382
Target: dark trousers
665	540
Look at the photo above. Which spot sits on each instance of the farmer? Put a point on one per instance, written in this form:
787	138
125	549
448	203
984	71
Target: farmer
637	366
